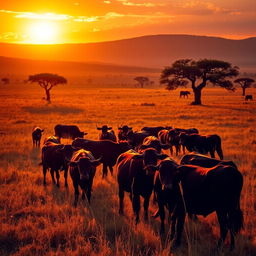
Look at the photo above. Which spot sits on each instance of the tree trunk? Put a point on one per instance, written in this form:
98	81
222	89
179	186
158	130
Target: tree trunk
141	85
197	96
243	91
48	96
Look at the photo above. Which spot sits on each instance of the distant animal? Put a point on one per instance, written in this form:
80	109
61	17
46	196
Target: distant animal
82	168
134	175
55	157
204	161
53	139
122	132
205	190
108	150
106	133
154	130
153	142
184	94
68	131
36	136
135	139
248	97
202	144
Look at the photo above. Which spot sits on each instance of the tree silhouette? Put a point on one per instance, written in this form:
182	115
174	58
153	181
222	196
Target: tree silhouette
47	81
199	74
244	83
5	80
142	80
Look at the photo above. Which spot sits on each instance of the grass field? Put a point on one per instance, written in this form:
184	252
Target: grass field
40	220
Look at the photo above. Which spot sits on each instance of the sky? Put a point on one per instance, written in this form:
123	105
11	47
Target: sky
77	21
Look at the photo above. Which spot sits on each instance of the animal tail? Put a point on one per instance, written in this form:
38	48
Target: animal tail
218	147
236	219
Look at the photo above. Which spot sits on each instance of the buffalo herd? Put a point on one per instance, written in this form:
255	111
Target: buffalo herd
198	185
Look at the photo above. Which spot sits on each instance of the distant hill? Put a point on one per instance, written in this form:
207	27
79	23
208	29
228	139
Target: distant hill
146	51
26	67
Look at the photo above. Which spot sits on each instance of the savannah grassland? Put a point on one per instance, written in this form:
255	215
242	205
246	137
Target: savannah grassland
40	220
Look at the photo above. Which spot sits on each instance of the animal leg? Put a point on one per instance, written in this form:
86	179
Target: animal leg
52	174
146	203
44	173
57	177
212	153
75	184
223	222
121	201
66	177
136	207
162	216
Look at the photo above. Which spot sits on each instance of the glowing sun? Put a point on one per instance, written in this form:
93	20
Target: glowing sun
43	32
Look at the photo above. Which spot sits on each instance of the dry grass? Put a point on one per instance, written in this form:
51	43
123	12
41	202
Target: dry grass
38	220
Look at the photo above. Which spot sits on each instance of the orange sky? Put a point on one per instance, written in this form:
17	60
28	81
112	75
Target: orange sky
74	21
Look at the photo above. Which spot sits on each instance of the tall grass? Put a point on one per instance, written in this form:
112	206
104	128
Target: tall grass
40	220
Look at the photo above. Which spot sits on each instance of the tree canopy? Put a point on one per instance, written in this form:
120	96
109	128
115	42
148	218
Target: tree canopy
142	80
47	81
198	74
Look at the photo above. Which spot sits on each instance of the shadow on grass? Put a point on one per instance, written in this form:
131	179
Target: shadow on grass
51	109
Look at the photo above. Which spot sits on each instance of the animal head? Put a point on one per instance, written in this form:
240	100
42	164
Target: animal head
125	128
104	128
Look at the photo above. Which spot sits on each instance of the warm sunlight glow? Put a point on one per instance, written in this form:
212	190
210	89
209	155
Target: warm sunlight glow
43	32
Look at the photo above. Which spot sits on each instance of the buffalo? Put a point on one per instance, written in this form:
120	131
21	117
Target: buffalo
68	131
135	139
53	139
153	142
184	94
106	133
248	97
204	191
202	144
55	157
154	130
122	132
36	136
108	150
82	168
134	175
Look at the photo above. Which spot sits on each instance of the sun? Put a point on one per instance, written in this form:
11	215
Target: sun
43	32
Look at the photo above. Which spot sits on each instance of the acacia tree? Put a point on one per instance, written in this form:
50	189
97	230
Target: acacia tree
5	80
198	74
142	80
244	83
47	81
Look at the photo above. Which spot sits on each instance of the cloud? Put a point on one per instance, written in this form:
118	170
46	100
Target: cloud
128	3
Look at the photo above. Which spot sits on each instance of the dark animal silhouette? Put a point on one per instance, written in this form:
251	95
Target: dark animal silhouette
68	131
153	142
205	190
36	136
154	130
204	161
106	133
108	150
122	132
134	175
184	94
248	97
202	144
53	139
135	139
55	157
82	168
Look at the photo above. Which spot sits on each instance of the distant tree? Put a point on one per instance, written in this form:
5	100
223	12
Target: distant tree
5	80
47	81
142	80
198	74
244	83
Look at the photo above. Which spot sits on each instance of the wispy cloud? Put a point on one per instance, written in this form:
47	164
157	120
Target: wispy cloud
128	3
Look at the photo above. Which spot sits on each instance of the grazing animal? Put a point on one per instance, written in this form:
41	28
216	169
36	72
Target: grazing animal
153	142
153	131
202	144
204	161
53	139
108	150
82	168
55	157
106	133
205	190
134	175
135	139
184	94
248	97
122	132
68	131
36	136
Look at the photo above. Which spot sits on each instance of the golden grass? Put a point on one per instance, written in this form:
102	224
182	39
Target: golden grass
38	220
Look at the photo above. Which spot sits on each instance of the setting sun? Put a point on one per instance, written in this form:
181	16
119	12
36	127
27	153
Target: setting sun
43	32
